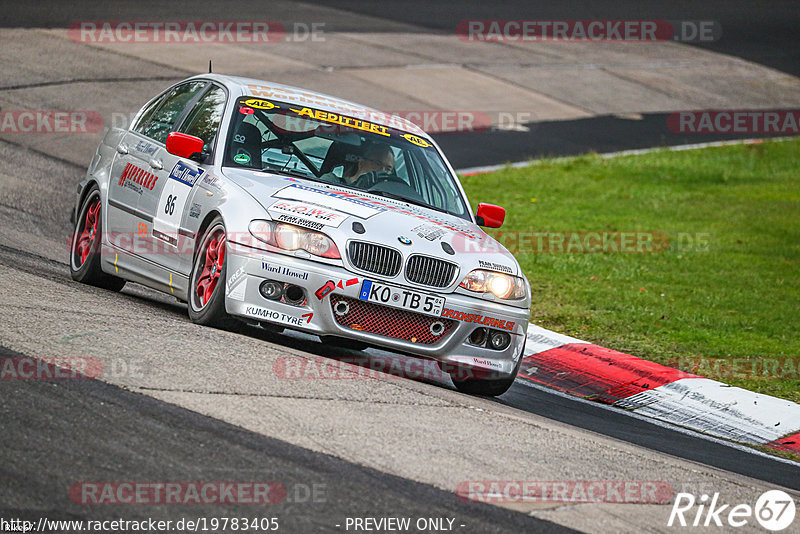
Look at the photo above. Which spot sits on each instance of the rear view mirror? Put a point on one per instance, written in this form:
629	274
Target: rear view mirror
490	216
186	146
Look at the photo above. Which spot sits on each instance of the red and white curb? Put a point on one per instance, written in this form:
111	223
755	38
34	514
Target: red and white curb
658	392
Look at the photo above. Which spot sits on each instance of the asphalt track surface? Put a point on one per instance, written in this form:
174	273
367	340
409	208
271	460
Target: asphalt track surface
764	32
54	433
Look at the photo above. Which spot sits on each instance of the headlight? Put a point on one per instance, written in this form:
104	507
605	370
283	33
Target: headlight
291	237
501	285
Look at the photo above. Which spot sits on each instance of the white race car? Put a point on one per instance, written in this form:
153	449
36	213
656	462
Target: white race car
270	204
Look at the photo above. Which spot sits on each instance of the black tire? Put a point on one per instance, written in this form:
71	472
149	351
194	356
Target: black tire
204	309
492	385
85	245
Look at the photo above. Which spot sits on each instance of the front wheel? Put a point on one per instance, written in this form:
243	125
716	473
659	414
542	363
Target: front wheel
207	282
492	385
85	246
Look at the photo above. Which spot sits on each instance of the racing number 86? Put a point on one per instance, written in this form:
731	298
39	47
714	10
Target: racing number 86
169	209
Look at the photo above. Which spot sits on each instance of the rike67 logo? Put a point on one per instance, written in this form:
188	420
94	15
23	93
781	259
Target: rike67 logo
774	510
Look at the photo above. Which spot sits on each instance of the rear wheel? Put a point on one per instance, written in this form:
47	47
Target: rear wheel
84	255
207	282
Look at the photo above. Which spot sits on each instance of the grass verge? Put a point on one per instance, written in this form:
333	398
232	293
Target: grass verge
718	290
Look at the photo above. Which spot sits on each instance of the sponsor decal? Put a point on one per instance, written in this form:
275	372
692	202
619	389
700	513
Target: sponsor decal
185	174
478	319
246	110
431	233
194	210
320	214
342	120
142	229
276	316
285	271
495	266
313	99
349	203
299	221
132	174
242	159
236	285
416	140
211	180
171	239
260	104
483	362
145	148
322	292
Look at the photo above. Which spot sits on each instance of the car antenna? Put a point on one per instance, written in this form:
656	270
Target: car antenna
209	66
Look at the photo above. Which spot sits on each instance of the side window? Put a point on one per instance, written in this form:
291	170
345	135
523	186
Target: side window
164	118
146	114
203	121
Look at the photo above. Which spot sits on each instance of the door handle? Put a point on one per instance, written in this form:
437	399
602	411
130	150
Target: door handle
156	164
122	149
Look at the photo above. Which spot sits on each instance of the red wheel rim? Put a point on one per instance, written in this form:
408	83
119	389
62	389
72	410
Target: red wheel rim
213	260
88	233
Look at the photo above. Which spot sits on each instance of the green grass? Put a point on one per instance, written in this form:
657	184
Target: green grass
725	290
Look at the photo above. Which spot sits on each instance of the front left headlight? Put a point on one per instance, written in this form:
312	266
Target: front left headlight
503	286
290	237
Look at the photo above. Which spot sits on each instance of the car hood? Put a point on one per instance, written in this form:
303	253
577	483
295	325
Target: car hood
344	214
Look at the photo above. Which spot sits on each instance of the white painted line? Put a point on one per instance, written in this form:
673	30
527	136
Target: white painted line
664	424
718	409
677	148
540	339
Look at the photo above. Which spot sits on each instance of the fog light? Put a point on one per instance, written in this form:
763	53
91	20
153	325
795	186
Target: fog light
478	337
499	340
294	295
270	289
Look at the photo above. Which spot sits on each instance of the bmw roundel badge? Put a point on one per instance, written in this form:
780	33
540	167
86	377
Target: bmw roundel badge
404	240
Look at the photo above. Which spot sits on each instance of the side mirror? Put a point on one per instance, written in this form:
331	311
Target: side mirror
490	216
186	146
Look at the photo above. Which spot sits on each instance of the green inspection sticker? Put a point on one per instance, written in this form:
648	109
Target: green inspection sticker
241	158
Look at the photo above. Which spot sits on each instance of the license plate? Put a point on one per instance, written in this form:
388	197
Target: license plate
404	299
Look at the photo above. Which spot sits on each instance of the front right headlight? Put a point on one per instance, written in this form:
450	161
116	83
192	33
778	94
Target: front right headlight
290	237
502	286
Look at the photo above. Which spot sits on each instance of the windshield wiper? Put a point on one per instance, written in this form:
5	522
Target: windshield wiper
410	200
292	172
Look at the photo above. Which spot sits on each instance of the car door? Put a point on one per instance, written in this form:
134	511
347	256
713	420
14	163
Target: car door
128	180
177	189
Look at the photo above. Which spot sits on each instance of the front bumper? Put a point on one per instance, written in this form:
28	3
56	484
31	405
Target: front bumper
247	268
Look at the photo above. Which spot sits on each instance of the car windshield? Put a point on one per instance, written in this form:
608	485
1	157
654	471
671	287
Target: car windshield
343	150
